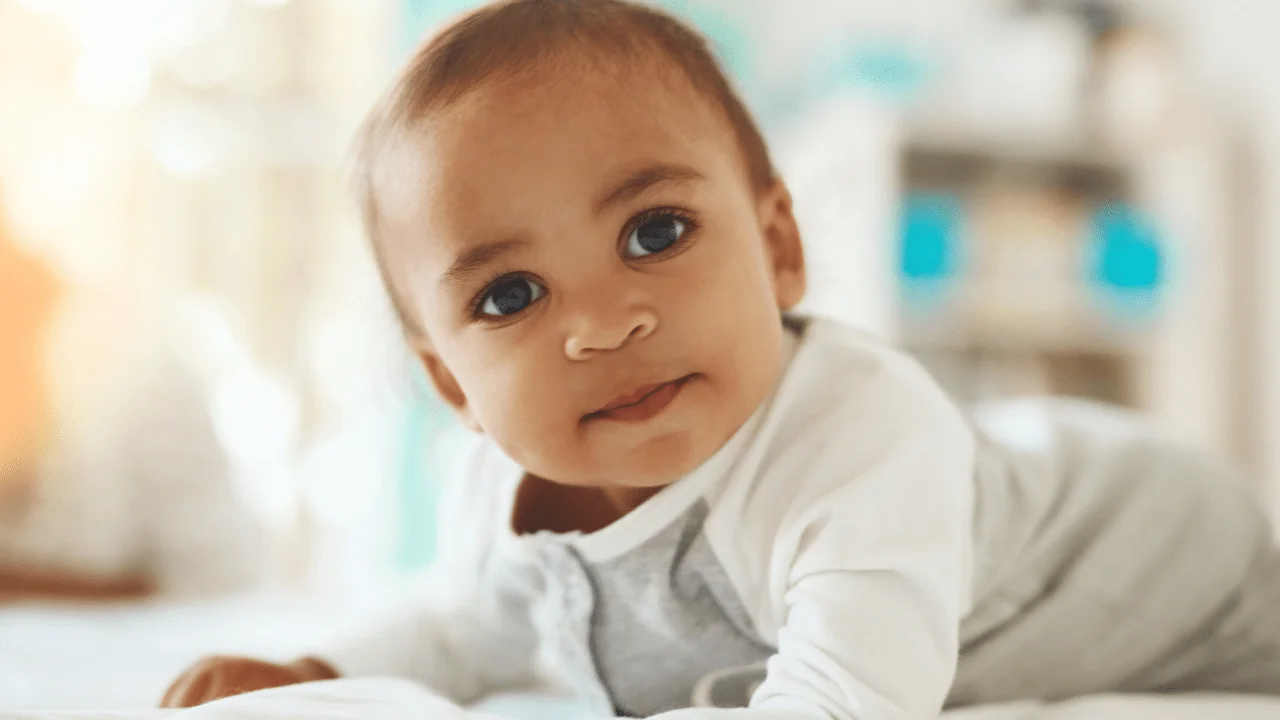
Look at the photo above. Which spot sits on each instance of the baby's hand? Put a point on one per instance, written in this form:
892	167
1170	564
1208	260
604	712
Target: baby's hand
218	677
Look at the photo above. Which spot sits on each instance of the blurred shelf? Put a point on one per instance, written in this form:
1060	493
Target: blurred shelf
1048	338
934	155
1063	150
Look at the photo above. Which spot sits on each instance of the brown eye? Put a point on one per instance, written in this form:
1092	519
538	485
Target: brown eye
510	296
655	236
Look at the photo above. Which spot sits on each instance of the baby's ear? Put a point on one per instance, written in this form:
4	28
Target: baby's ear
782	240
447	386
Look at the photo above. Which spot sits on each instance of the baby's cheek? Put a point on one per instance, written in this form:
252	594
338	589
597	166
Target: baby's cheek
522	406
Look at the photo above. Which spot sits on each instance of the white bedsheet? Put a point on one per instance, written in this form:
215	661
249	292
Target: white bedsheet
79	663
121	658
400	700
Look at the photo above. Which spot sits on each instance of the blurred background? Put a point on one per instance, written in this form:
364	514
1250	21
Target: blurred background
202	390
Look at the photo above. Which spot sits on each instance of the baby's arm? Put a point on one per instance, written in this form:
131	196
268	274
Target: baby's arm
462	649
464	637
464	634
217	677
468	632
868	577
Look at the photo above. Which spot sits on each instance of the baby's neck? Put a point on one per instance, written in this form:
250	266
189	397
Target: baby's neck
544	505
624	500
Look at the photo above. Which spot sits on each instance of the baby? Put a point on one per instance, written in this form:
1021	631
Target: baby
675	475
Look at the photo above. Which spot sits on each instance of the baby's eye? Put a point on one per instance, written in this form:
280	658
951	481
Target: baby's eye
655	235
510	296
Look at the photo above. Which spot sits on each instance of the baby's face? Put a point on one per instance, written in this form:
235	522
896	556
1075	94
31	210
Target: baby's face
598	282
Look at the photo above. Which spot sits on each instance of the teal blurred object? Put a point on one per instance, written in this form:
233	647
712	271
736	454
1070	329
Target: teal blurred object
729	39
1128	248
929	250
730	42
420	478
1127	262
891	71
727	36
417	17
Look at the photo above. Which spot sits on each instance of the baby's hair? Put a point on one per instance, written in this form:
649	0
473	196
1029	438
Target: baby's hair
514	38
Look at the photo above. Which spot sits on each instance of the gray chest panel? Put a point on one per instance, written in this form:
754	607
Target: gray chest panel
666	615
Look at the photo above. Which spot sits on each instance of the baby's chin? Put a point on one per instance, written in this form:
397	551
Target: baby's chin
657	463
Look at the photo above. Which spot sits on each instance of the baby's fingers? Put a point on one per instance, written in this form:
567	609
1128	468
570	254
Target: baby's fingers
188	690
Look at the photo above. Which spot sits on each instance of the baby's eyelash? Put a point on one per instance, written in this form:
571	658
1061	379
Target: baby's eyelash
664	212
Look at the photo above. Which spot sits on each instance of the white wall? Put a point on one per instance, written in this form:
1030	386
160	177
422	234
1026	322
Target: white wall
1236	51
1267	318
841	163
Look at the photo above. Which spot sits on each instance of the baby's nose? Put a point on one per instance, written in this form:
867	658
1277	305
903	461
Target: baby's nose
602	331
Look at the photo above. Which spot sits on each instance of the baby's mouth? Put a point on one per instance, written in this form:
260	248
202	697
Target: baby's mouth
634	398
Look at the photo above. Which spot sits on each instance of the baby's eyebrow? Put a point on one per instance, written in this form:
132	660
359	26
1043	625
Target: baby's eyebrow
642	180
477	257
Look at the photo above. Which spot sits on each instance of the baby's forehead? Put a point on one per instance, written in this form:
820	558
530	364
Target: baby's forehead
577	127
608	96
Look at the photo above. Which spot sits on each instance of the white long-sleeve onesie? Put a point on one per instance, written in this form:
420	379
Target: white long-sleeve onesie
830	536
884	553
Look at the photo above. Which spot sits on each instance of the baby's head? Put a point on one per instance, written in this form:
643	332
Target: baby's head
584	236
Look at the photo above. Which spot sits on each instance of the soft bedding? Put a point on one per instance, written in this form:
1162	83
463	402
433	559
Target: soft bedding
121	657
83	663
399	700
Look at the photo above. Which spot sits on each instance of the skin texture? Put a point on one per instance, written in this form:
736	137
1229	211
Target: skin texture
535	164
569	173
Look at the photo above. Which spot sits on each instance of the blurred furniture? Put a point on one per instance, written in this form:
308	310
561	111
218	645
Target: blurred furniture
1052	213
29	297
162	477
24	585
1027	311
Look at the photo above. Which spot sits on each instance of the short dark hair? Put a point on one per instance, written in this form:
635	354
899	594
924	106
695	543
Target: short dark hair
505	38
